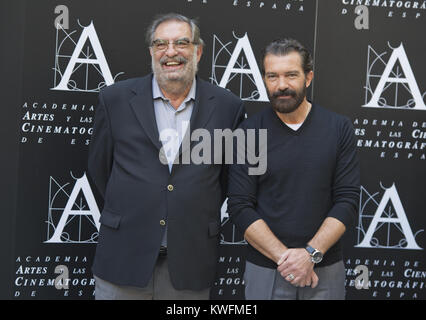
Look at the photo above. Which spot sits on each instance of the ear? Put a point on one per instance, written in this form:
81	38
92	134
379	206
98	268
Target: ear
309	78
199	52
150	51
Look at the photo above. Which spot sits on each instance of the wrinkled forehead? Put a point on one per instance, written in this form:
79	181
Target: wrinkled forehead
172	30
291	61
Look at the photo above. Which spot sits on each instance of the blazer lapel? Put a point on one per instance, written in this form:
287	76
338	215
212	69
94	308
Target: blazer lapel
143	107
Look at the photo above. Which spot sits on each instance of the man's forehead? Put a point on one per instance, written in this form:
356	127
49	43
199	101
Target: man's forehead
173	28
291	60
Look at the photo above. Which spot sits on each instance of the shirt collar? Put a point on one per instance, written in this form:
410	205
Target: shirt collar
157	94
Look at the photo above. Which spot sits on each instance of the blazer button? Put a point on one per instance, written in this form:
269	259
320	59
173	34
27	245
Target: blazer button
170	187
162	222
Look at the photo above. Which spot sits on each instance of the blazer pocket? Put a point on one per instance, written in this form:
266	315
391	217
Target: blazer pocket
213	229
110	219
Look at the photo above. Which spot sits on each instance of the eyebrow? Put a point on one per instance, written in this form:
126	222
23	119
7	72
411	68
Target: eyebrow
184	38
292	72
286	73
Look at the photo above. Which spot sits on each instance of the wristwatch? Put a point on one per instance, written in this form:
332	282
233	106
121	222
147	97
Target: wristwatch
316	255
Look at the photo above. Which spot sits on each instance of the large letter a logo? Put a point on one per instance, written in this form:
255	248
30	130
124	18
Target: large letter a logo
81	58
397	79
397	219
65	231
241	66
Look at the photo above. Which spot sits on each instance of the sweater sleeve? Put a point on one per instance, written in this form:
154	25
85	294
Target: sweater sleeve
238	118
242	191
346	182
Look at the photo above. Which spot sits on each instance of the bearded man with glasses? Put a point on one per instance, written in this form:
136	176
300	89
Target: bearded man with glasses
160	222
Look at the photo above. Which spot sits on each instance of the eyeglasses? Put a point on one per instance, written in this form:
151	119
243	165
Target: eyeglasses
179	44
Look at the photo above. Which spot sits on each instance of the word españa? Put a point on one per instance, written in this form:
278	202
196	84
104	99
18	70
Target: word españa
262	4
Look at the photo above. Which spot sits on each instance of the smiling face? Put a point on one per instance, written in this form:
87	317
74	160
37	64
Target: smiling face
174	63
285	81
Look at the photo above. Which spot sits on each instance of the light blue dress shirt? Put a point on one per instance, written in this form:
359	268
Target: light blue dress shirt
169	118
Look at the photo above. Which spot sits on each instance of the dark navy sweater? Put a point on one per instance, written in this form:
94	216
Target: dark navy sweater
312	173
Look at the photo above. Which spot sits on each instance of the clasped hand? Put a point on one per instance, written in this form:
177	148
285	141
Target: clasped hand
295	266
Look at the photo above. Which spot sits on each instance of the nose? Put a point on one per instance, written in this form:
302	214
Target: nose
282	83
171	51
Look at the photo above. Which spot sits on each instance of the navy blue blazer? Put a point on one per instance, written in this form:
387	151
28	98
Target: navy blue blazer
140	193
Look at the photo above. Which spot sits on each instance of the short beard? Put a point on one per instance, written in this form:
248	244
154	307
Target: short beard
176	85
288	105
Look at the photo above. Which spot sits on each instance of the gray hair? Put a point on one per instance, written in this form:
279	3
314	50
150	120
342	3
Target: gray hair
282	47
195	30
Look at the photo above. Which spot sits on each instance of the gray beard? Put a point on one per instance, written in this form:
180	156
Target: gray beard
176	86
